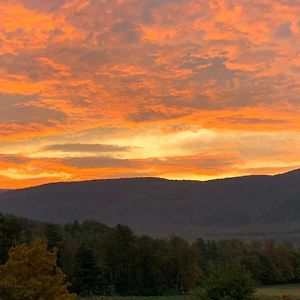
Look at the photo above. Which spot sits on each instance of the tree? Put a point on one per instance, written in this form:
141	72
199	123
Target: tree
31	273
150	268
67	255
230	283
183	270
87	276
53	234
121	259
10	233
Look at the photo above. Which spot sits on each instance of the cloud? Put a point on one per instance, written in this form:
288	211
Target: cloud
150	115
19	109
96	148
283	31
201	163
98	162
126	31
151	71
32	65
48	6
241	119
13	159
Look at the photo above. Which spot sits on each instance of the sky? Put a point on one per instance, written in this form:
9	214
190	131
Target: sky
181	89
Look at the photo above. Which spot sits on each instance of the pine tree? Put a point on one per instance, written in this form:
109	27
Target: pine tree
53	235
87	276
10	233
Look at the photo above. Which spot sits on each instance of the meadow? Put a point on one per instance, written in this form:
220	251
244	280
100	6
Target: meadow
277	292
263	293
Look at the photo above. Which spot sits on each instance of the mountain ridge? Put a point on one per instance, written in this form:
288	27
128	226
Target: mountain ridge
156	178
227	207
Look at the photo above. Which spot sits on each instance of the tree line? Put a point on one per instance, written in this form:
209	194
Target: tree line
101	260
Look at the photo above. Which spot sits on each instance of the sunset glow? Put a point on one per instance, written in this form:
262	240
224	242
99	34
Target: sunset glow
181	89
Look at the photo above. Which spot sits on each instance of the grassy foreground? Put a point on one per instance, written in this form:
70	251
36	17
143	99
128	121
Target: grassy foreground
140	298
177	297
276	292
263	293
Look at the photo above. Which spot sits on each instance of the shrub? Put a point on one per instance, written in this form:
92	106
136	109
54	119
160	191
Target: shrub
229	283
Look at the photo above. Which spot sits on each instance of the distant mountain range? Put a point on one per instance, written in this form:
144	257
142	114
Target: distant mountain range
244	207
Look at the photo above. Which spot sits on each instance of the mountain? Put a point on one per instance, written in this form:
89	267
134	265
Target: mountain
249	206
2	191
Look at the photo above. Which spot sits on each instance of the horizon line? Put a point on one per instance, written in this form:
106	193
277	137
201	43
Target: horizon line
151	177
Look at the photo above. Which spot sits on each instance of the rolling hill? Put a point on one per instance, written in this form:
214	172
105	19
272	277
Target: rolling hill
2	191
249	206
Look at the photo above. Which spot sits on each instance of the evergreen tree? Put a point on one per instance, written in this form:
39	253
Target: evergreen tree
87	276
10	233
121	259
54	236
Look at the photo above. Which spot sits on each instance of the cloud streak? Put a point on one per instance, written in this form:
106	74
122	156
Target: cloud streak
96	148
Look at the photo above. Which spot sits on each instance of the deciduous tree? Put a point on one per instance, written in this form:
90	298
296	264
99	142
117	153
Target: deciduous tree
31	273
232	282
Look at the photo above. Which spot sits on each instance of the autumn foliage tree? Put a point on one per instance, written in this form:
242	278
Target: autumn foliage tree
31	273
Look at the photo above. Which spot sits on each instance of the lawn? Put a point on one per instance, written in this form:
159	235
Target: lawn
141	298
275	292
263	293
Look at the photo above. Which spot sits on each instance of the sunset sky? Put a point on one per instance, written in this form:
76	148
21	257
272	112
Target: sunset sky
183	89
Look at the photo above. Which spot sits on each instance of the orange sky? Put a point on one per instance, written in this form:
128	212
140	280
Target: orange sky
171	88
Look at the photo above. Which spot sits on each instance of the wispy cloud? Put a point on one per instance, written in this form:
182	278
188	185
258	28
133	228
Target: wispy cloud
96	148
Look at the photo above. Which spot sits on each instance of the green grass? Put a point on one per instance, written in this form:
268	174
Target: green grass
263	293
140	298
275	292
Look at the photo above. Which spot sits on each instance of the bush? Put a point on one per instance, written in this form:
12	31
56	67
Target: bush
229	283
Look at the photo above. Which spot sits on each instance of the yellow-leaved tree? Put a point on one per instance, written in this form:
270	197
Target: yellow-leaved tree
31	273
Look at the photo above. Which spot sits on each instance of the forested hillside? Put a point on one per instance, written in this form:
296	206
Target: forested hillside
251	206
98	259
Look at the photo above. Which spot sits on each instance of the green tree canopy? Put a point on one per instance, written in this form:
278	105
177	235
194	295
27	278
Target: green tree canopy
10	233
87	276
232	282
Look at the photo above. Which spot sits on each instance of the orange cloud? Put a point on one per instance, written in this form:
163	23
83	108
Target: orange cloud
158	72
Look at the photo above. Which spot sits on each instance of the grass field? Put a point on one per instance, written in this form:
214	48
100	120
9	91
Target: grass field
141	298
263	293
276	292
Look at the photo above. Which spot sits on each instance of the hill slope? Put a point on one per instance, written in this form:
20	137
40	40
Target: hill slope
251	206
2	191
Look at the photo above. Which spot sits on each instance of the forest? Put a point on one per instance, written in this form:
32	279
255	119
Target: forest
100	260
